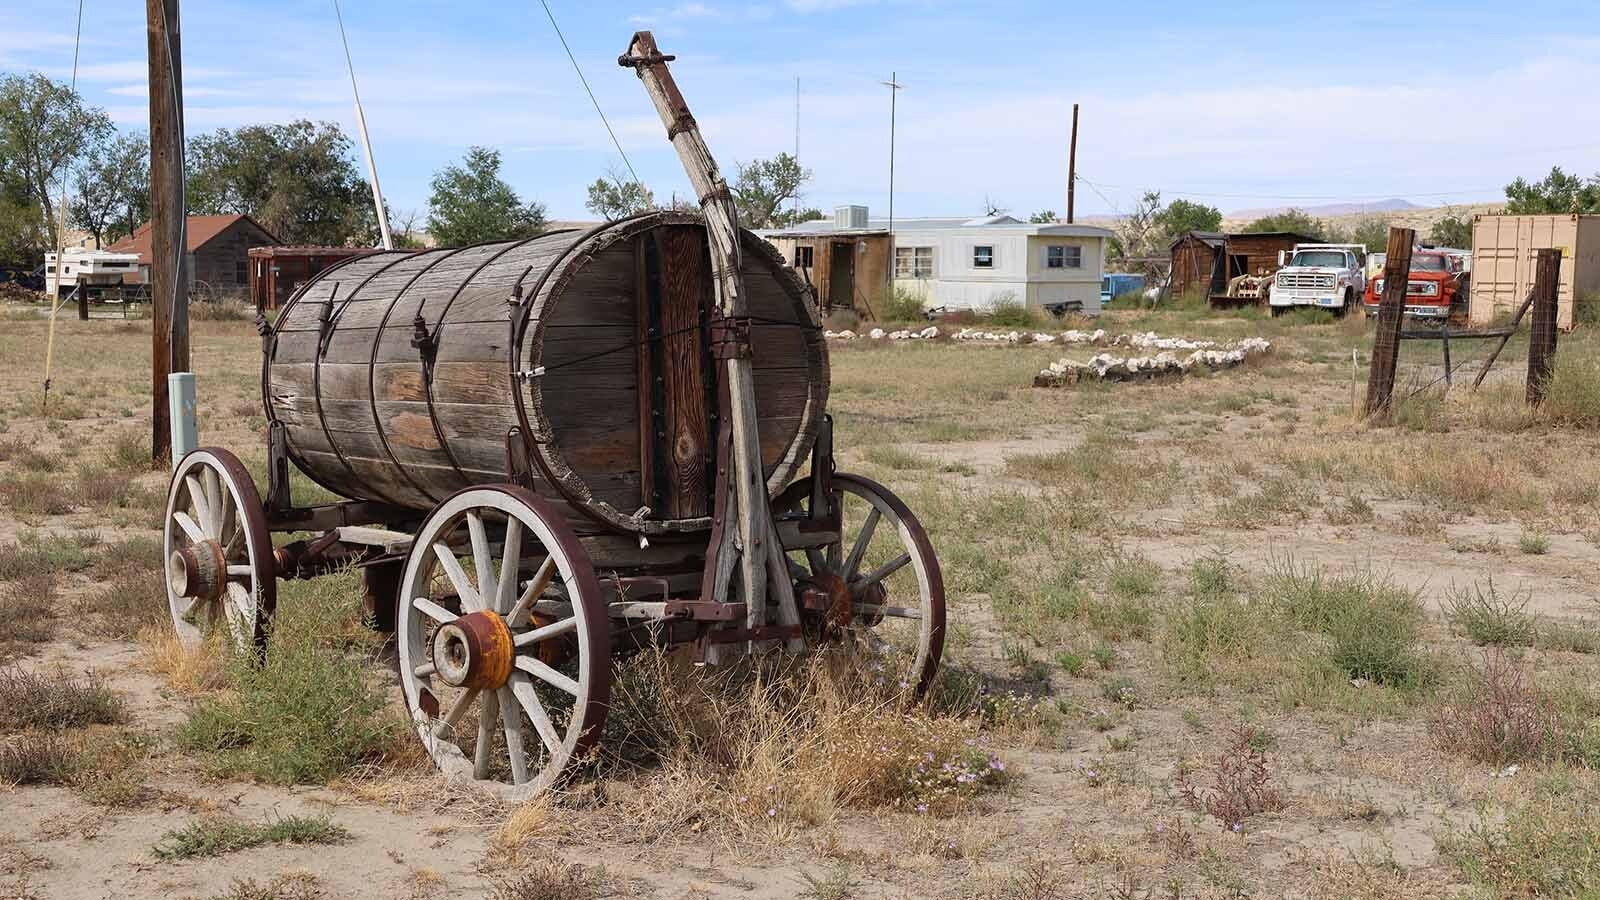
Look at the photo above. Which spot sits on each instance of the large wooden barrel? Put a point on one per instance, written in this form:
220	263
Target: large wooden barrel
400	376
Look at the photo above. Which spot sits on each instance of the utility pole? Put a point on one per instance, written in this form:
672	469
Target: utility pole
169	283
894	86
797	144
1072	165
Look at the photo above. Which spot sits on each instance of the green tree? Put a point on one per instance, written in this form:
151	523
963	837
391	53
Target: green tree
616	197
1451	231
1372	234
44	128
1043	217
1558	192
299	180
470	203
113	188
762	187
1295	220
22	229
1182	216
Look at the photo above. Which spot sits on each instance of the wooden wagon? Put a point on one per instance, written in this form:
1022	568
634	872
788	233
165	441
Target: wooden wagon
554	452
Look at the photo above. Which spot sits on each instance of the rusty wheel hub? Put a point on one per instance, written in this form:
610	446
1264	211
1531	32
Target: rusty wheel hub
198	571
474	651
840	609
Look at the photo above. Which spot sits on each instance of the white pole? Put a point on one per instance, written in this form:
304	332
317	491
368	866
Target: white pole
366	142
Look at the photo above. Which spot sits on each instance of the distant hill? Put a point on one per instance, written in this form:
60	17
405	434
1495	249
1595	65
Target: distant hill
1327	210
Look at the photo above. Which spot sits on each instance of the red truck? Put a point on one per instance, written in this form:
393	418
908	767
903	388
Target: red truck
1435	289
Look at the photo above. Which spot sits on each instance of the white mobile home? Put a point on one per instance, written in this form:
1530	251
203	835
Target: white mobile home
959	263
975	263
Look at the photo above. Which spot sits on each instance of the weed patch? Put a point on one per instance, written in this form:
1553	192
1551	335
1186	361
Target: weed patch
1544	848
34	700
1241	785
37	758
1498	718
1488	618
215	837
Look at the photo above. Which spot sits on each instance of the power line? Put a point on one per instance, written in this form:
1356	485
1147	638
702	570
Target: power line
1345	197
587	89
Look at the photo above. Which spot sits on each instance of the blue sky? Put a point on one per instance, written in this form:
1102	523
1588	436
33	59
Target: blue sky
1239	104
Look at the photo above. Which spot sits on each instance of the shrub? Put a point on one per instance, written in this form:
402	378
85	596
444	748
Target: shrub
1487	618
899	304
1373	624
1006	311
214	837
1572	396
27	611
307	712
553	879
1541	848
1534	543
35	495
37	758
1240	783
32	700
842	320
1499	718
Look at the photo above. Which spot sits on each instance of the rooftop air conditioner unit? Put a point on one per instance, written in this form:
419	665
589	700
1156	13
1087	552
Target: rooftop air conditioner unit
850	218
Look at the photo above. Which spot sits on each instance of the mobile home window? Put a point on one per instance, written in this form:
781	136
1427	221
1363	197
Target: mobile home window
803	257
983	256
913	262
1062	256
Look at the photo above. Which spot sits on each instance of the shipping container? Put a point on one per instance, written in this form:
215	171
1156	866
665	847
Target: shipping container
1503	252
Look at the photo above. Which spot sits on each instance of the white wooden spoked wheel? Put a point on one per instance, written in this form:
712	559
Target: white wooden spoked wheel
885	565
219	562
499	609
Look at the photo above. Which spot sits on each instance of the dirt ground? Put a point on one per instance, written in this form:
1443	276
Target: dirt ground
1112	553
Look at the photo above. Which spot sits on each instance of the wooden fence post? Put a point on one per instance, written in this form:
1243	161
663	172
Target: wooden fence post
1542	340
1391	312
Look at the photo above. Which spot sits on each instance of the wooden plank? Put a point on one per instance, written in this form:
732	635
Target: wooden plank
687	443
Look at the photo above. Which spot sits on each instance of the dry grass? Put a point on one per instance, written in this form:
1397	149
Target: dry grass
134	599
190	671
27	609
760	751
37	757
55	700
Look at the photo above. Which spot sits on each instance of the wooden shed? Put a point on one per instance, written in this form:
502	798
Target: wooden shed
1254	254
277	272
1194	256
219	248
847	269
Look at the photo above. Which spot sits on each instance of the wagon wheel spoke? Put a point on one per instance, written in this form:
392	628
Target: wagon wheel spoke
241	570
522	688
853	563
457	576
433	610
880	573
456	712
565	626
213	488
487	710
201	504
480	558
510	564
513	732
536	587
542	671
187	523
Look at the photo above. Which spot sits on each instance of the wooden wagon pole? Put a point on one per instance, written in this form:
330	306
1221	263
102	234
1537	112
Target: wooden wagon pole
762	563
1391	311
1542	335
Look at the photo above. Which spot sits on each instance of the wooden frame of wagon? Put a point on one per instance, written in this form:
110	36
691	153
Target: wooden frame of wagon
496	599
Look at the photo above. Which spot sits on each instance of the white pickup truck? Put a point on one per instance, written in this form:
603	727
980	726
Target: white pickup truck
1327	276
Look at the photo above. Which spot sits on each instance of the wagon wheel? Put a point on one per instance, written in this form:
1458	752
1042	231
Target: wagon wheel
884	564
500	610
220	566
